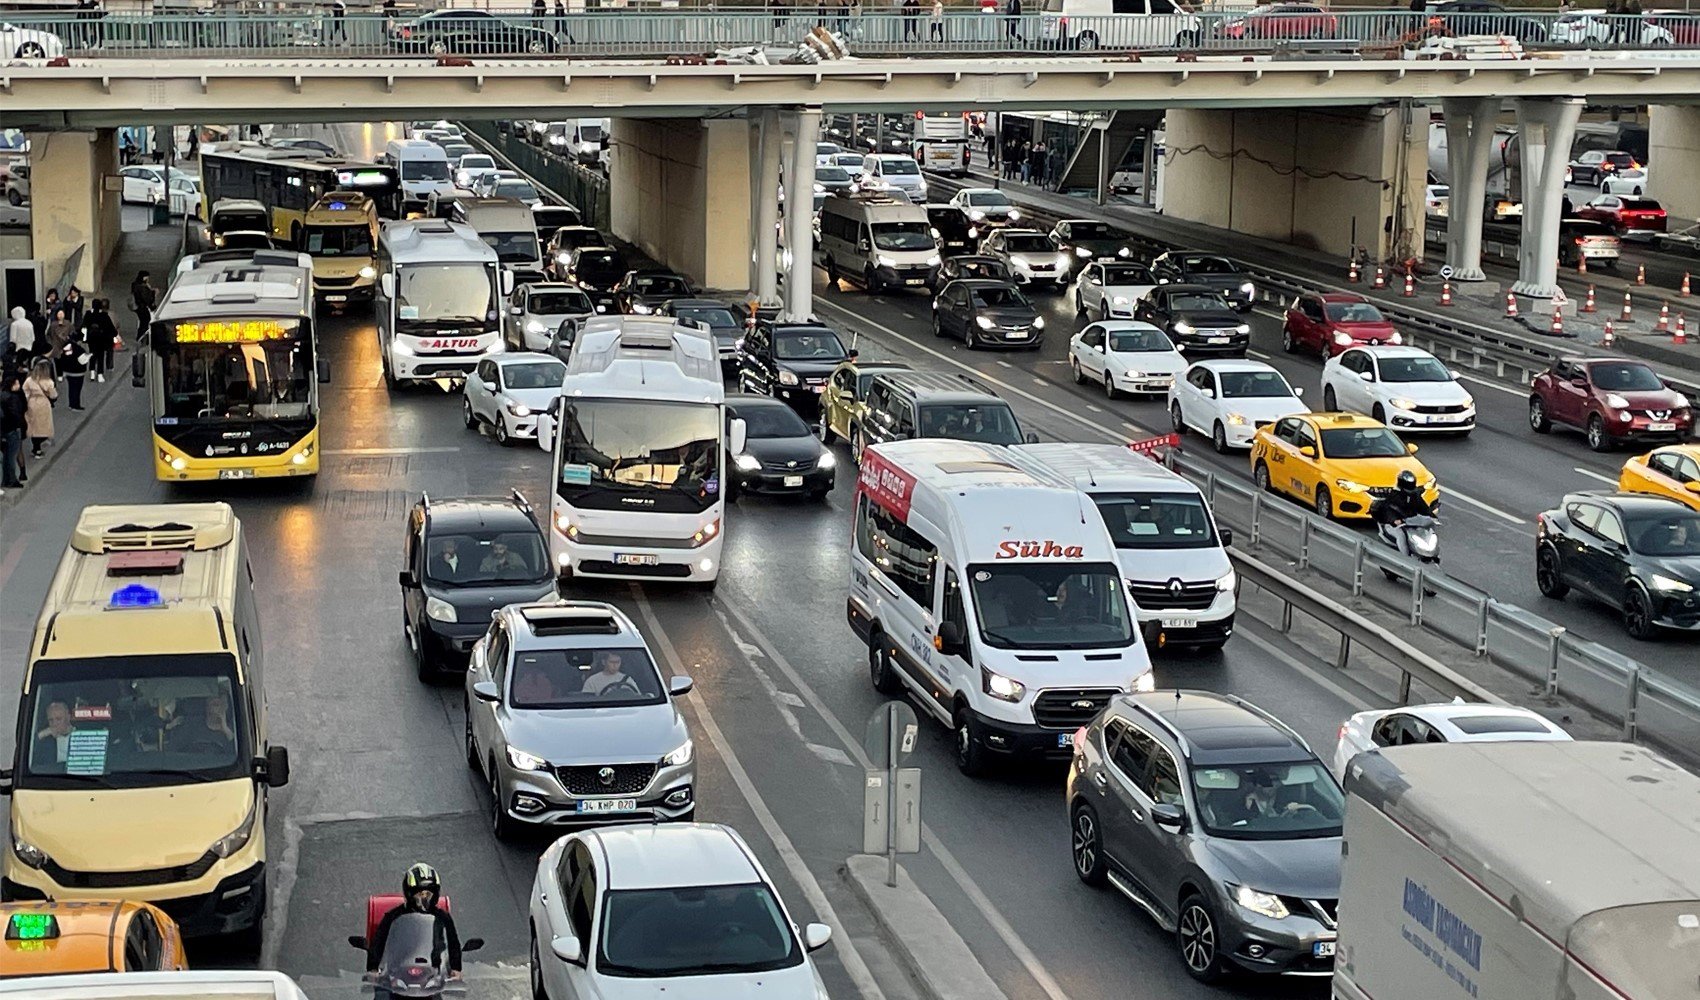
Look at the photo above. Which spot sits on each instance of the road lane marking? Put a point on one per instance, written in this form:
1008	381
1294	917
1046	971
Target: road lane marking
1003	364
1488	508
1257	354
1591	474
1094	409
389	451
854	965
1508	390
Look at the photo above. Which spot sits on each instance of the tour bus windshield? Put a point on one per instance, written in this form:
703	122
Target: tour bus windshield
646	455
134	722
434	293
903	236
339	241
271	379
513	248
1051	605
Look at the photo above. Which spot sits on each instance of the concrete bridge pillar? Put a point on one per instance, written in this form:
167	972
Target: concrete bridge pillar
1469	144
1553	123
74	221
799	215
1673	142
767	208
681	190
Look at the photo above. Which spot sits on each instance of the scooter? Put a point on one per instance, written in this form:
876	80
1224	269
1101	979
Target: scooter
406	969
1421	534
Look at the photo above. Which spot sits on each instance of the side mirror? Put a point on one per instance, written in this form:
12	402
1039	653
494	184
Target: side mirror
546	431
512	311
274	767
407	579
357	941
324	371
1453	374
1227	536
138	370
737	436
1031	438
1168	817
1307	451
852	354
1410	449
507	282
949	639
1693	487
1298	393
485	691
679	684
566	949
472	944
815	936
386	284
1367	376
489	387
1579	382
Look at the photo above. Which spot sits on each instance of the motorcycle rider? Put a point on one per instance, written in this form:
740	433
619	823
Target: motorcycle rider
421	890
1389	512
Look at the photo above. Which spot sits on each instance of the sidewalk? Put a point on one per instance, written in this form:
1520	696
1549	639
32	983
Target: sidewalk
154	250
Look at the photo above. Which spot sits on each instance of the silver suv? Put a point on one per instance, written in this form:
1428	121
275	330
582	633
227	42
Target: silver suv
568	720
1217	820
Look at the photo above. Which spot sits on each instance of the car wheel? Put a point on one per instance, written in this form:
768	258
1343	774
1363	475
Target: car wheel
968	335
537	46
970	752
1219	438
1329	403
1087	41
503	438
1549	574
1605	187
1196	937
1079	305
1538	421
538	990
1086	845
423	668
501	824
438	48
1074	368
879	667
1260	476
1324	502
831	274
31	50
1287	342
1638	614
1176	421
1598	439
1109	384
824	430
467	414
1379	414
13	198
871	280
938	328
471	741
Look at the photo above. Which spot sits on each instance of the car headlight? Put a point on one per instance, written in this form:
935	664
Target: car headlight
1063	261
886	260
1227	582
973	232
1401	403
820	189
1082	252
1394	338
934	261
1183	327
1038	322
1238	419
236	839
518	410
1681	401
439	609
1017	260
1123	252
562	258
681	755
826	460
787	378
536	326
522	761
1429	484
1242	328
977	215
462	178
1248	288
983	323
1132	374
747	463
1349	486
1121	300
1145	682
1662	582
1263	903
1616	402
26	852
1342	337
1469	402
1014	213
218	241
934	230
1000	687
639	309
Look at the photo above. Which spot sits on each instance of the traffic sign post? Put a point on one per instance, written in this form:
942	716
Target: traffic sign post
891	795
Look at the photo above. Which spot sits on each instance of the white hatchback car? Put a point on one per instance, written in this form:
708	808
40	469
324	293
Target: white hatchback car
1447	722
1126	356
683	911
1230	399
1110	290
508	391
1406	388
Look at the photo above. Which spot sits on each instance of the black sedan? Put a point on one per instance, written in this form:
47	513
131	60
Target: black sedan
973	265
463	31
781	453
597	270
642	293
1197	318
953	231
1087	239
1213	270
790	361
981	311
1638	553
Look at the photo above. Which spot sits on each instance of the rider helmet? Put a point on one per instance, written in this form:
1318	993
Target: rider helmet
1408	481
421	888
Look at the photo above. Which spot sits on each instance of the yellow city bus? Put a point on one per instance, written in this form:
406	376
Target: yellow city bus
232	369
341	232
288	183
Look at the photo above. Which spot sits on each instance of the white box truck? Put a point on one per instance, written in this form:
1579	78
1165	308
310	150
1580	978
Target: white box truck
1519	871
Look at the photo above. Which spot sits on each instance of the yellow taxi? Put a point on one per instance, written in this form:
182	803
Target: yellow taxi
843	401
1338	463
75	935
1672	471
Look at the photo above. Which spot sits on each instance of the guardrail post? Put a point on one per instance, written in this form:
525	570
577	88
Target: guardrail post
1304	543
1632	702
1210	489
1257	519
1358	569
1482	625
1345	651
1554	635
1286	616
1417	597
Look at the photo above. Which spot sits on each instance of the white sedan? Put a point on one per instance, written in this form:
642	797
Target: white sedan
1631	181
1406	388
1448	722
1230	399
1110	290
508	391
29	43
1126	356
986	206
472	166
537	310
144	184
1588	27
681	910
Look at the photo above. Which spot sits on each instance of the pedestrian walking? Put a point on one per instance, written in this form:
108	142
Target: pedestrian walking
14	418
74	304
538	10
143	297
38	331
841	17
389	9
39	396
339	24
781	14
1026	160
1055	163
911	20
561	19
51	302
1012	21
1036	163
101	335
74	361
59	333
935	22
20	336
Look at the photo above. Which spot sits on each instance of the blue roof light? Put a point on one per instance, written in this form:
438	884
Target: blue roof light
337	206
136	595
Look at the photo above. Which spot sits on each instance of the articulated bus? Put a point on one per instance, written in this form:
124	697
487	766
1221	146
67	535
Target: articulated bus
232	369
289	183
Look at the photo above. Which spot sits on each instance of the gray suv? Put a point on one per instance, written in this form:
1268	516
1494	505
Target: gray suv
569	722
1219	821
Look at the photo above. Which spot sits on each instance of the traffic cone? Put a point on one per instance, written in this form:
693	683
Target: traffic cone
1581	264
1446	293
1588	303
1679	336
1410	285
1352	273
1557	320
1664	319
1684	284
1628	315
1380	278
1641	275
1608	338
1510	305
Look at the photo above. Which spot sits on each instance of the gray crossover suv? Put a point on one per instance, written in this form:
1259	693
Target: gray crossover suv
568	720
1217	820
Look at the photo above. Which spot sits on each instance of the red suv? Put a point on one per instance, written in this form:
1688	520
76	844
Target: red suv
1331	322
1625	215
1611	400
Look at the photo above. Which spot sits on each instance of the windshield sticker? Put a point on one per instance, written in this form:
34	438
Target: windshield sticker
91	713
408	312
85	752
578	475
711	486
1041	549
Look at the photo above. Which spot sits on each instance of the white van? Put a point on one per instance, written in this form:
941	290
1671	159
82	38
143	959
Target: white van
1120	24
423	168
893	172
1172	553
983	591
226	985
510	229
876	240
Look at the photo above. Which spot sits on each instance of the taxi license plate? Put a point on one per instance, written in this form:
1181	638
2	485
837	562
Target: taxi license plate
622	806
915	281
1217	340
1064	739
336	298
1323	949
1179	623
635	559
1017	335
1662	427
236	473
793	480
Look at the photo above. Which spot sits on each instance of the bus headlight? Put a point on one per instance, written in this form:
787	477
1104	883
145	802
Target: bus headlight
368	272
439	609
1000	687
707	532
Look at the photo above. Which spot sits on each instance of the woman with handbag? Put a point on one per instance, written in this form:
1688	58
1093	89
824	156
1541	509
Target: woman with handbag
39	394
73	365
102	337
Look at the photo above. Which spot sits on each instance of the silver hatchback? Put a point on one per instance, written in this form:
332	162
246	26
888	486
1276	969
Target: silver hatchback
568	721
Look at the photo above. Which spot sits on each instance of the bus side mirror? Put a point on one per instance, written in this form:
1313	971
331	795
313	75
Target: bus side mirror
736	436
138	370
386	283
546	431
507	282
324	371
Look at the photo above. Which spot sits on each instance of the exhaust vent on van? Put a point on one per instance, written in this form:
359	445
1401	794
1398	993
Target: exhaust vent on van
145	563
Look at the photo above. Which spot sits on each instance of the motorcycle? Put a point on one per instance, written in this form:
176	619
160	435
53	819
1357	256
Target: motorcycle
1421	536
408	969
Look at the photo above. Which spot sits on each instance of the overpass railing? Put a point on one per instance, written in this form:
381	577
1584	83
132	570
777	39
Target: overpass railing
313	32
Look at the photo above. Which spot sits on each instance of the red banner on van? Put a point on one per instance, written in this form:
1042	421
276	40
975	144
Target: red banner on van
885	484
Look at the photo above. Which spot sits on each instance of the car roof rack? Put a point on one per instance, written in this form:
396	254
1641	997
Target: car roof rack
1161	720
521	502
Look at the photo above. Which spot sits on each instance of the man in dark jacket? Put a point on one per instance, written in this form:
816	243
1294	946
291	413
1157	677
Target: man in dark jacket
13	418
101	334
1389	512
143	297
421	891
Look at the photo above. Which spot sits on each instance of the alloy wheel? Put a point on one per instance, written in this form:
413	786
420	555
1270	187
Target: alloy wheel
1198	939
1637	614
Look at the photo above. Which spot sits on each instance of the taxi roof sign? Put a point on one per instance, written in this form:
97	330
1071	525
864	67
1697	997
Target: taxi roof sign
32	927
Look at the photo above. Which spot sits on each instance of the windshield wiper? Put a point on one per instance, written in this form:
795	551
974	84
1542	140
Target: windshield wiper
90	779
177	772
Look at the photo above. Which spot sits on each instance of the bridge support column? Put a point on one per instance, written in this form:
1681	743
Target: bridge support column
1469	143
799	202
74	222
767	208
681	190
1543	189
1673	140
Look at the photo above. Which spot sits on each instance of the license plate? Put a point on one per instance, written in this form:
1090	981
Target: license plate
1217	340
793	480
1322	949
635	559
336	298
1661	427
1017	335
1179	623
818	389
236	473
626	806
1065	739
915	281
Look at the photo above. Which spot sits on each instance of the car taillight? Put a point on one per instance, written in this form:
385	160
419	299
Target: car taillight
1581	240
1340	737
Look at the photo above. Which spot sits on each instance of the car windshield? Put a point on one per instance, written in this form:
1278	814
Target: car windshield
559	303
617	454
715	317
438	292
807	344
1051	605
992	269
660	284
1616	376
534	375
901	166
1093	231
513	248
601	261
588	132
456	150
1026	243
1138	341
572	237
583	678
1253	385
1001	295
1156	520
1210	265
1275	801
903	236
990	423
1195	302
134	721
1665	534
339	241
770	421
1353	312
269	380
477	161
850	160
988	199
1413	369
519	190
720	930
832	175
1361	442
424	170
483	558
1127	274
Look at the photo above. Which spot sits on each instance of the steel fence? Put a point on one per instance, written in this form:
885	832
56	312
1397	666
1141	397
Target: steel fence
1647	704
582	187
